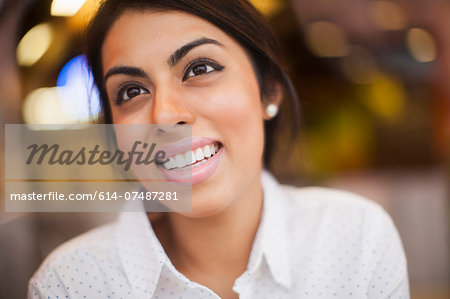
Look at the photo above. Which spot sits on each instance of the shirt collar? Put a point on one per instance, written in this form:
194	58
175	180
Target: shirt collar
140	252
142	255
273	227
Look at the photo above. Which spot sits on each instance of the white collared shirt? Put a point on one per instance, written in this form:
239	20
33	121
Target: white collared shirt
311	243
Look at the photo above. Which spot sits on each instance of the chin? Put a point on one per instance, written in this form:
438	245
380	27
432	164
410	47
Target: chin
202	208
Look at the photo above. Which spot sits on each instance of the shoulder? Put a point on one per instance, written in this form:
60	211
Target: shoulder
83	255
324	212
349	231
339	221
345	228
97	241
333	237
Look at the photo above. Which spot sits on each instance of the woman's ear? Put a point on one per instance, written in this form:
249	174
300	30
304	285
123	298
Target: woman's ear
271	101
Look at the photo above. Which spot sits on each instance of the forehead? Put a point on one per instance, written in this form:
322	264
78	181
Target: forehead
155	34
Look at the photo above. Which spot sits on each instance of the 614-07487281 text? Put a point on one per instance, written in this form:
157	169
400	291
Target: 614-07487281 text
139	195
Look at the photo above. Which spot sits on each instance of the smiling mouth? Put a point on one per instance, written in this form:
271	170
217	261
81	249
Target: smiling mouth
194	158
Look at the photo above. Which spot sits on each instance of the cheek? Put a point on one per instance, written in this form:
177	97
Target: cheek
235	111
136	114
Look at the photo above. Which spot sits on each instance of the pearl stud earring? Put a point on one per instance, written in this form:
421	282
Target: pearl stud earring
271	110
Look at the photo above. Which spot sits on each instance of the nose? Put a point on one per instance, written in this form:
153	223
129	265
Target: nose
169	108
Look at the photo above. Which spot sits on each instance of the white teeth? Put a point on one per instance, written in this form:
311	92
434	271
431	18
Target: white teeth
166	165
199	154
188	158
180	161
191	157
172	163
207	151
169	164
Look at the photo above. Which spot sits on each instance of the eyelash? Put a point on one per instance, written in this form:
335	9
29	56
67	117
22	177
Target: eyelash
122	91
186	75
208	63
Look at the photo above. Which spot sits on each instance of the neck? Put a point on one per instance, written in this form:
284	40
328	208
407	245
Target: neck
215	248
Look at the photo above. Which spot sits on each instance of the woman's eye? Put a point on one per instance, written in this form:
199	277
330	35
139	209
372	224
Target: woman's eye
201	68
128	92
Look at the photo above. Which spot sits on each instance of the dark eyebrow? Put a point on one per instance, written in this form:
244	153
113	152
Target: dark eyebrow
127	70
181	52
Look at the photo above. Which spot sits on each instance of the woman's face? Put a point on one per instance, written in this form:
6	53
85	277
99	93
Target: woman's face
175	68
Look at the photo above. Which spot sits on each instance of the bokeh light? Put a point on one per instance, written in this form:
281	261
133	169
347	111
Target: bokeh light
42	106
386	97
66	8
34	44
76	89
326	39
268	7
421	45
387	15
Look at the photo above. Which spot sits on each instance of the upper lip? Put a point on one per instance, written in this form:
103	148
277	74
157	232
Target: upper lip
186	144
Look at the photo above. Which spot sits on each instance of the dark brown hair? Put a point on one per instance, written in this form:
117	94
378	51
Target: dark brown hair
238	18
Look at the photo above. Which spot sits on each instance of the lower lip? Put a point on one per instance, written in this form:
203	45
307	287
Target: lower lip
196	174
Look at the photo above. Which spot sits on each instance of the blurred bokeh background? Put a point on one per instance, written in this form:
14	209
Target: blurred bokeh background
373	78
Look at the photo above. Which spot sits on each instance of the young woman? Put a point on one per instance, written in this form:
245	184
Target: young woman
213	65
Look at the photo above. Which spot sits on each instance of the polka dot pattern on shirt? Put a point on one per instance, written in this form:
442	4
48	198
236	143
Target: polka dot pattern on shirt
311	243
